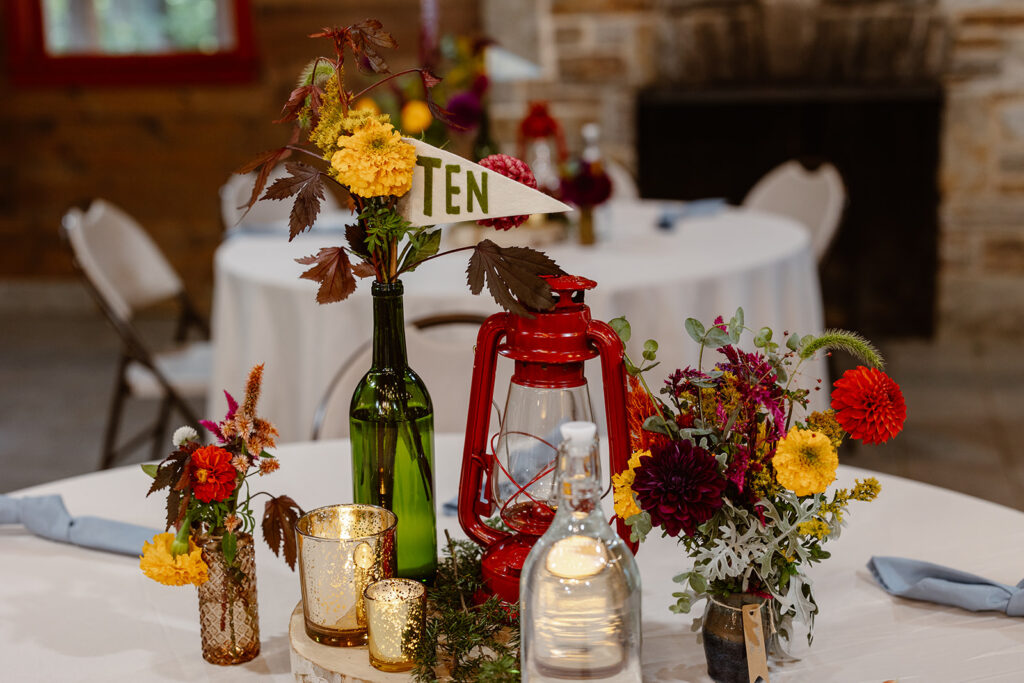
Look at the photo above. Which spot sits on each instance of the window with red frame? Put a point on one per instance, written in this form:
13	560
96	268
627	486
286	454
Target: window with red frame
129	42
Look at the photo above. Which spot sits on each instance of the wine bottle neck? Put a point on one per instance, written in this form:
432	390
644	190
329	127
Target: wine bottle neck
388	326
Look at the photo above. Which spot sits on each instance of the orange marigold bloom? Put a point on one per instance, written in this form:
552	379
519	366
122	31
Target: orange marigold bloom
869	405
213	476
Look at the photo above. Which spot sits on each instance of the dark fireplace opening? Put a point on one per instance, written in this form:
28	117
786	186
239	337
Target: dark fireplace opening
879	275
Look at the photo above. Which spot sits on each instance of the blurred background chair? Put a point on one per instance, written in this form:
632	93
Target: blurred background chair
125	272
814	198
440	349
265	214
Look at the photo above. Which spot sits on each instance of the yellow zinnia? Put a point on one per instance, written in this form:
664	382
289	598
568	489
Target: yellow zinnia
805	462
374	161
159	564
622	491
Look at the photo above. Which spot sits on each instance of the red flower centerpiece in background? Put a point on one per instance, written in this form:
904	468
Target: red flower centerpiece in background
517	170
869	405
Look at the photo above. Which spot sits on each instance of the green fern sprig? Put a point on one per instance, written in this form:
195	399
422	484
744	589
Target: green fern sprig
843	340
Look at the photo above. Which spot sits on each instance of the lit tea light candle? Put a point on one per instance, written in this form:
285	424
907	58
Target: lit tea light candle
396	612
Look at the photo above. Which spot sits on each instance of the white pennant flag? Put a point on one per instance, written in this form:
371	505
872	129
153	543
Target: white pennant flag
447	188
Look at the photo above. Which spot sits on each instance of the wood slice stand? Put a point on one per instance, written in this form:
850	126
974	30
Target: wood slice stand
316	663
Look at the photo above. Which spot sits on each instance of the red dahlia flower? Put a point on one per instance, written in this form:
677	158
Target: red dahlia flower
679	486
869	405
213	475
517	170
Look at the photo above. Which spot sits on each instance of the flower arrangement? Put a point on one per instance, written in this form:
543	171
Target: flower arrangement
359	151
208	493
722	463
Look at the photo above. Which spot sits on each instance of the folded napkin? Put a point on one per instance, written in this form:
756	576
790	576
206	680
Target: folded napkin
46	516
934	583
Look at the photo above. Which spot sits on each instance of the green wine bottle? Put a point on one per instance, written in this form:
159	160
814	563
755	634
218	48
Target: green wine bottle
392	434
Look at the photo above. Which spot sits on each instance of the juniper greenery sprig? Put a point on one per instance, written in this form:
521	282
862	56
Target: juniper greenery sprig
465	641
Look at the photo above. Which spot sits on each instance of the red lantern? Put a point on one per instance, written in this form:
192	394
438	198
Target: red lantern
547	389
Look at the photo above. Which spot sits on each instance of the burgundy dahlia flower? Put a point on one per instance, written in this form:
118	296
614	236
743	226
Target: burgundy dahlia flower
679	486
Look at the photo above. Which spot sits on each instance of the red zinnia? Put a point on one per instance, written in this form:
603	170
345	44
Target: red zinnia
517	170
213	475
869	405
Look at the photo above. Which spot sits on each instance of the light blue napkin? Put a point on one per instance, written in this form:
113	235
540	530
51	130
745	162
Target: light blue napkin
46	516
919	580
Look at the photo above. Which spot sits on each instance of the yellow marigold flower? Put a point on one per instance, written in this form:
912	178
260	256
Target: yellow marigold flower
805	462
416	117
374	161
827	424
366	104
622	488
815	527
158	564
866	489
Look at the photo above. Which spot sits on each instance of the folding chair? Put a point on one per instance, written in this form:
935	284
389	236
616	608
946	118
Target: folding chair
814	198
124	271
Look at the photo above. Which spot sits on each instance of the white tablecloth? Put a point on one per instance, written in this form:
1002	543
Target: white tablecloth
73	614
263	312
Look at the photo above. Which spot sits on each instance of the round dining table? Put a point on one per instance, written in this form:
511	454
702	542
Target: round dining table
68	613
702	266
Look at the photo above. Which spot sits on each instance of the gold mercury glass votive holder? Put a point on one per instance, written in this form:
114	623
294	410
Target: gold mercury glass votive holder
342	549
396	612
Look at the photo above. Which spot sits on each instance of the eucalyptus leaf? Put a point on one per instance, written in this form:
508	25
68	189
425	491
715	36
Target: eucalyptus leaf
763	336
717	338
657	424
621	327
793	342
698	583
695	330
650	349
681	578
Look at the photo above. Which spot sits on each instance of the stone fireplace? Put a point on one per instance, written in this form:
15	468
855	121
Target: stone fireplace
603	59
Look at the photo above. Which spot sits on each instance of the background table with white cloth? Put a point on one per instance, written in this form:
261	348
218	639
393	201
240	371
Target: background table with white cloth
703	267
67	613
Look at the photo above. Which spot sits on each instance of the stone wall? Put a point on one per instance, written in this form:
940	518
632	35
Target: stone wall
981	284
596	54
163	152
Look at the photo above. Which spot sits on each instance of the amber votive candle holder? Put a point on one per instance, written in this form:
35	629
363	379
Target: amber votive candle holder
342	549
396	612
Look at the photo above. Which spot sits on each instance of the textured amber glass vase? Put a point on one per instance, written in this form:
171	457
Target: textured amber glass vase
228	614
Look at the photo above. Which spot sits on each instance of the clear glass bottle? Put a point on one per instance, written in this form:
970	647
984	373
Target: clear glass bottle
580	590
392	434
